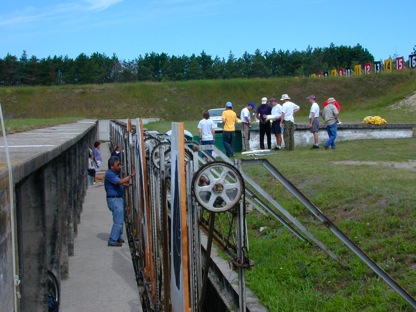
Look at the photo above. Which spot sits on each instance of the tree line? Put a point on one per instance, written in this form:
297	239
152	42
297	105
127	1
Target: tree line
100	68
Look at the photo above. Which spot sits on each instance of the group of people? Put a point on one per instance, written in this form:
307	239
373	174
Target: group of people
274	118
206	129
330	114
279	119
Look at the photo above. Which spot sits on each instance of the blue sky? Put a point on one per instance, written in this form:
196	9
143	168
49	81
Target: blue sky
130	28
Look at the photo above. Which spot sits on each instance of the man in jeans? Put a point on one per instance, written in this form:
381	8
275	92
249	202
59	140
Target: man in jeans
330	114
229	119
114	188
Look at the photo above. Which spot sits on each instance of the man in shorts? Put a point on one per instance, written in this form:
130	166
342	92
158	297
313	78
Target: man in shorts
314	120
276	129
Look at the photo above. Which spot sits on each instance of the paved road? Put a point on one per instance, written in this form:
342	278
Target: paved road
101	278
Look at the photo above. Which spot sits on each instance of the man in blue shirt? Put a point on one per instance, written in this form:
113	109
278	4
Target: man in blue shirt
114	188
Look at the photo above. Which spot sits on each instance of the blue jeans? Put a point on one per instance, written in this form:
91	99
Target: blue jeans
228	137
209	142
116	206
332	134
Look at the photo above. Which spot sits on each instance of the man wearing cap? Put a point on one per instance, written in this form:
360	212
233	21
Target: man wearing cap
314	120
245	125
287	121
229	119
264	128
330	114
275	128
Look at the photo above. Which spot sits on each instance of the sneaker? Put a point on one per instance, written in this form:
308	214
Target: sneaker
120	240
115	244
277	148
315	146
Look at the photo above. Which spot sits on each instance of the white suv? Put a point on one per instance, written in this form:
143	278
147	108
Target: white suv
215	114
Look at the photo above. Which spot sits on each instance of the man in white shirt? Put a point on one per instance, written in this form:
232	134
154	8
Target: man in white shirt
287	121
314	120
206	129
245	125
275	117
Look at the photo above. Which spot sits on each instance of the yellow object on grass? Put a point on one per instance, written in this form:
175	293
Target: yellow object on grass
374	120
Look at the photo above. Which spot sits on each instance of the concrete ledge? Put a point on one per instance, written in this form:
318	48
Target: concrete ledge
49	169
346	132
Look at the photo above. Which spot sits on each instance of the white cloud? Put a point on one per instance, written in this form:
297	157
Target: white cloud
32	14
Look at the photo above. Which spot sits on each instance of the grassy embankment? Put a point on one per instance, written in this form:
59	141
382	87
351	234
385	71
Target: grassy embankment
184	101
370	200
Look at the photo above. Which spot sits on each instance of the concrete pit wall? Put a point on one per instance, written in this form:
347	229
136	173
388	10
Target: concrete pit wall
49	169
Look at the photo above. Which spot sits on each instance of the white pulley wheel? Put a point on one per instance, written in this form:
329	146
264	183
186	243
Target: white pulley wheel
217	186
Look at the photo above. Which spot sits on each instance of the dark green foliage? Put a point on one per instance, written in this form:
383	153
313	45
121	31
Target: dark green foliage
99	68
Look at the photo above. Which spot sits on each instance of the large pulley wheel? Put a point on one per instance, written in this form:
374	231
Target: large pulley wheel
162	149
149	145
217	186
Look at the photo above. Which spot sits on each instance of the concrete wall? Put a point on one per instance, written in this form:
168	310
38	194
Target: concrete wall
345	132
49	168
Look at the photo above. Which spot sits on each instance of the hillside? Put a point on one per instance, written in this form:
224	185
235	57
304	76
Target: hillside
182	101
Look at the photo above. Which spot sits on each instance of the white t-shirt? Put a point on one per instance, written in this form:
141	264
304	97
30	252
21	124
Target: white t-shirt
314	109
288	108
206	126
276	111
244	113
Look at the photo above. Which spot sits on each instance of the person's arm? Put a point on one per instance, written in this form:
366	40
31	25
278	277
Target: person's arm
297	108
247	118
336	113
213	134
311	120
126	180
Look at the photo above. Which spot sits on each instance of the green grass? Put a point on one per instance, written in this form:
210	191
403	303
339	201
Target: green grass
185	101
371	204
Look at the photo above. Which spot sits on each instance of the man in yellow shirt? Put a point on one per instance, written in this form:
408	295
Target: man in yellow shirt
229	119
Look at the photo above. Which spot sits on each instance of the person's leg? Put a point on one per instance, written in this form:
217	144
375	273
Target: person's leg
315	138
289	129
244	136
209	142
334	134
279	136
268	135
292	137
226	135
286	134
330	130
116	206
262	131
232	135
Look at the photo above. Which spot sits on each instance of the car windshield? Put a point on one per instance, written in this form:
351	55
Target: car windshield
215	112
